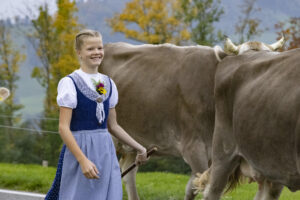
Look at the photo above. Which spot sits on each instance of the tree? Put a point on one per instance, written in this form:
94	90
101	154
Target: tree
291	32
9	68
151	21
247	27
44	41
200	16
66	27
53	40
10	60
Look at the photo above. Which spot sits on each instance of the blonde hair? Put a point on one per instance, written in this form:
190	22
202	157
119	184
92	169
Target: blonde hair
79	39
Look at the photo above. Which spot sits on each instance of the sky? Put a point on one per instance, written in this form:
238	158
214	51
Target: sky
22	8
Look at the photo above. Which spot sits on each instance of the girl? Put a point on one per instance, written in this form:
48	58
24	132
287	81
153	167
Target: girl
88	167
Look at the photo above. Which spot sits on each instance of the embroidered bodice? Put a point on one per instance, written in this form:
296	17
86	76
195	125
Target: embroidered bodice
92	108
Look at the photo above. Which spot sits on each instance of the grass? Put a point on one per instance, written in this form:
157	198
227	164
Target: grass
151	185
26	177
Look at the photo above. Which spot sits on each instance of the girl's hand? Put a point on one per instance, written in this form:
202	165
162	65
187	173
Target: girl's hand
89	169
141	157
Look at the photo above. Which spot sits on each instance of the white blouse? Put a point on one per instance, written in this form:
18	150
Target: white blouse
66	91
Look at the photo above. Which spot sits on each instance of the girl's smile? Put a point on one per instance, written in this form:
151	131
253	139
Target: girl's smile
91	52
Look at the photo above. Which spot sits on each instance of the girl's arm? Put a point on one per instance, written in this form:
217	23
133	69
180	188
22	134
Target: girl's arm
88	168
117	131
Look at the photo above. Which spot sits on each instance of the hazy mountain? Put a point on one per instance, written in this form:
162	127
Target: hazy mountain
93	14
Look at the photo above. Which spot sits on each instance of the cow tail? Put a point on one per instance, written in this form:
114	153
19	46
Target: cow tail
234	180
202	180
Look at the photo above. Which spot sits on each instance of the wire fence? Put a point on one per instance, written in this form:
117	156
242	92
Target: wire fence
36	130
28	129
29	118
32	139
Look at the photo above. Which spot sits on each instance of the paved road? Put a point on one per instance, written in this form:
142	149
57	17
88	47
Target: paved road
17	195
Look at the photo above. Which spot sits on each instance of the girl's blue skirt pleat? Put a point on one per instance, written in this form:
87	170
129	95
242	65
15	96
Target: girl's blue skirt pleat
71	184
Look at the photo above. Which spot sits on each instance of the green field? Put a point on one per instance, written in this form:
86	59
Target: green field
151	185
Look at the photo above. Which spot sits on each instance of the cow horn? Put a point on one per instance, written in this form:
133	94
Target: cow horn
277	44
230	47
219	53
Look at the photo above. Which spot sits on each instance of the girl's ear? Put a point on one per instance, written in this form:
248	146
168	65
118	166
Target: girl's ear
78	53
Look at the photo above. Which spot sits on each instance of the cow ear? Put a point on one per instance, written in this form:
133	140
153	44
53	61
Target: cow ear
219	53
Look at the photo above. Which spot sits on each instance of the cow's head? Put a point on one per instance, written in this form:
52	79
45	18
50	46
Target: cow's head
231	48
4	93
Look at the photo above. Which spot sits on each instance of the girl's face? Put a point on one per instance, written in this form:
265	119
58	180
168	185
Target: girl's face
91	52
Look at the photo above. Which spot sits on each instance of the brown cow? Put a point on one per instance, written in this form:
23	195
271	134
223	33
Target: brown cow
257	122
166	99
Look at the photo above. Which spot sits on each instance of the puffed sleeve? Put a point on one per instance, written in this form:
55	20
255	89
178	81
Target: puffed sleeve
114	95
66	93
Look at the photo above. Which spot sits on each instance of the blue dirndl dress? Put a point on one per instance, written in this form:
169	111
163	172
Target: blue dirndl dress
96	143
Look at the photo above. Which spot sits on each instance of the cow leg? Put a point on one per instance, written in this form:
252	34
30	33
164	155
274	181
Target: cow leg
195	156
260	192
268	191
273	191
218	179
189	191
224	161
129	180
